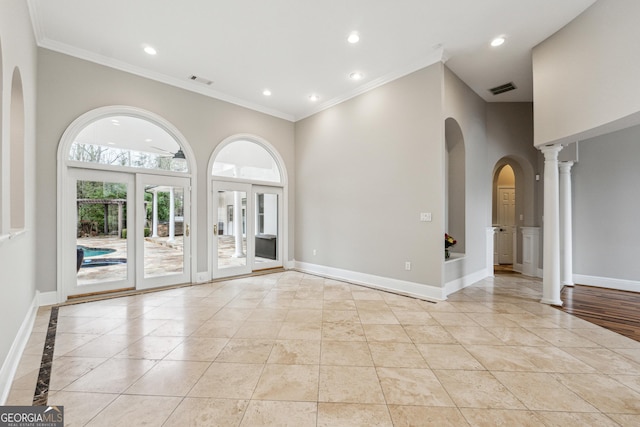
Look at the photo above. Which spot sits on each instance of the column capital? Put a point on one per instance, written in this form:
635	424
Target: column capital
565	167
551	151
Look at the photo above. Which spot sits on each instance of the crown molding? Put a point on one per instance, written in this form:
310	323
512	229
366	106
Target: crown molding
66	49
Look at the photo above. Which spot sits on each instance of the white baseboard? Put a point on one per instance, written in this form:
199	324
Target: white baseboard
607	282
47	298
517	267
403	287
10	365
468	280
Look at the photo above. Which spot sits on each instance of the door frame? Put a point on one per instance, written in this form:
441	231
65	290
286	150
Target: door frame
167	279
70	224
279	261
217	273
64	165
283	185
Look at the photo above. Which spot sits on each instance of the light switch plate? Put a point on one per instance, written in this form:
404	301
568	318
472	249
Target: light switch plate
425	216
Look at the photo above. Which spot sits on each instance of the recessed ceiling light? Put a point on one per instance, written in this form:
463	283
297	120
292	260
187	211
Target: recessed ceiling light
356	75
266	92
497	41
111	143
354	37
150	50
148	140
314	97
115	122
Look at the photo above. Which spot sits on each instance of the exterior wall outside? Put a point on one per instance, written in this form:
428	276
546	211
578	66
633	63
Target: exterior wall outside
606	233
69	87
468	109
366	169
585	75
17	254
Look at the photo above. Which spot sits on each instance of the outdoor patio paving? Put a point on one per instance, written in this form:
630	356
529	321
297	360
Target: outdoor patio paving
161	257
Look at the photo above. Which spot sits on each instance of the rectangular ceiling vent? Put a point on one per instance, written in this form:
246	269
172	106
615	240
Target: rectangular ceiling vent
502	88
201	80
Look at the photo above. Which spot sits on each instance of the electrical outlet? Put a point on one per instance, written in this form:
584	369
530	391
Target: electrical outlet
407	265
314	252
425	216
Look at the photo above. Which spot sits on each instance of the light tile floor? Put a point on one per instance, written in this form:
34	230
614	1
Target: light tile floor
299	350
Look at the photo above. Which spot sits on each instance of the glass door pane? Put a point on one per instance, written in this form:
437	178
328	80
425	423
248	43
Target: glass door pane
230	228
163	230
267	228
104	254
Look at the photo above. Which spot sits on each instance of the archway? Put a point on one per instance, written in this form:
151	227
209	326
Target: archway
16	149
117	168
513	195
455	175
248	207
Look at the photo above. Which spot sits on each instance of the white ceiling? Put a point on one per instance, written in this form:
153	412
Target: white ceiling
299	47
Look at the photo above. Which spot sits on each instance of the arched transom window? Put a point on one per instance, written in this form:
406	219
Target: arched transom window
121	140
248	160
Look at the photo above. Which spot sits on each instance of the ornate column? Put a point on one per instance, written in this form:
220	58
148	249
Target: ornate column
237	223
154	231
172	216
566	247
551	235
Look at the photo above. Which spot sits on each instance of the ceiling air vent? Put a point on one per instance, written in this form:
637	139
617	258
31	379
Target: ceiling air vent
201	80
502	88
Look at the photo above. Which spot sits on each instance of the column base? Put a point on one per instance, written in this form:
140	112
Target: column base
568	284
551	302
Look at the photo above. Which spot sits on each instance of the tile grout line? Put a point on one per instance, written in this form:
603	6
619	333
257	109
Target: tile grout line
41	393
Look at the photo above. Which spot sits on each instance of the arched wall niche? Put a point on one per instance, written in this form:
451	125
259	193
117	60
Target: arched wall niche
16	153
455	184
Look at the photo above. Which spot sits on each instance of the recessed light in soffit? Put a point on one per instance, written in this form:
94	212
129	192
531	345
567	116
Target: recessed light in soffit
353	37
150	50
498	41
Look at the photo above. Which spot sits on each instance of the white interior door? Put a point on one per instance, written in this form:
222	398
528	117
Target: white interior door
232	251
100	231
163	231
506	221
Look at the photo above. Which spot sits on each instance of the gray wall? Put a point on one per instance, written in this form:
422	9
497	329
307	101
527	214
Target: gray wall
585	76
366	169
606	203
468	109
69	87
17	255
510	141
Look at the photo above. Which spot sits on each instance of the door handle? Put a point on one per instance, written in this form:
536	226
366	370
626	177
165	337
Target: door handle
186	231
215	230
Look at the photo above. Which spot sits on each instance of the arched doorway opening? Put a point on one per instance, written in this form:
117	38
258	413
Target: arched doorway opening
248	200
512	208
124	214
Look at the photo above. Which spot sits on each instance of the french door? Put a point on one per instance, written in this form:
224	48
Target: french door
128	231
247	228
163	234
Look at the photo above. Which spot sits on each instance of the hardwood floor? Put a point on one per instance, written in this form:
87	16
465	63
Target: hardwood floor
615	310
